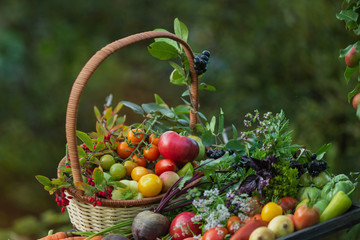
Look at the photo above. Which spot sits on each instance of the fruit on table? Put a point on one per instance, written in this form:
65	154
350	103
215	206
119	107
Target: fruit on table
124	150
262	233
153	139
129	191
288	204
321	180
339	183
183	226
129	166
150	185
271	210
148	225
281	226
184	169
180	149
106	161
135	135
164	165
352	58
118	170
151	153
168	178
201	153
245	231
234	223
308	193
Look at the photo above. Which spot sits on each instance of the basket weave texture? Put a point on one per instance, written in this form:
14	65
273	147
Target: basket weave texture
83	215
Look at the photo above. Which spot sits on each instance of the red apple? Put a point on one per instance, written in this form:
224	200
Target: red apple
180	149
183	227
352	58
168	179
164	165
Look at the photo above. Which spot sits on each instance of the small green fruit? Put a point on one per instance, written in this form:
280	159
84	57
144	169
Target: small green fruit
106	162
118	170
201	153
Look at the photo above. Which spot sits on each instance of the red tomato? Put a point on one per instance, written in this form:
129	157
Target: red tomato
152	153
255	217
165	165
215	233
233	224
255	206
305	217
288	204
182	226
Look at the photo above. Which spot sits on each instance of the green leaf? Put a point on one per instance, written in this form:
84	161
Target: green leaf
207	138
44	180
85	139
167	40
110	122
100	129
321	152
346	50
159	100
108	113
188	175
89	190
136	108
235	132
100	146
204	86
212	124
118	107
358	112
234	145
185	93
178	68
162	50
176	78
349	72
180	29
98	176
182	109
353	92
347	15
81	151
97	113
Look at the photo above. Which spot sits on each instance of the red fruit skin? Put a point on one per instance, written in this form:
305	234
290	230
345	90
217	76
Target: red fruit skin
356	101
215	233
288	204
245	231
178	148
182	227
165	165
352	58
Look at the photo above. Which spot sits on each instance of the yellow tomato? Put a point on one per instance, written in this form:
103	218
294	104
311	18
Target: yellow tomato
129	165
138	172
150	185
271	210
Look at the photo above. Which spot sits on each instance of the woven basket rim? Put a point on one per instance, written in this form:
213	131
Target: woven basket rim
78	195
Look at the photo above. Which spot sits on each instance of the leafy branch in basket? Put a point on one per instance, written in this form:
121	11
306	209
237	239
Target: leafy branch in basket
350	15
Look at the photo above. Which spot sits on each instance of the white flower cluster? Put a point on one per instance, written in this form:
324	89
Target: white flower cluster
212	217
240	203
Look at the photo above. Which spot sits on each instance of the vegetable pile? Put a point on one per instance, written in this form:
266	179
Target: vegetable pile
217	183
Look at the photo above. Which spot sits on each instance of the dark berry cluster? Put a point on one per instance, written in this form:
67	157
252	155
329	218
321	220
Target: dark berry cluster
61	199
201	62
298	166
316	167
215	154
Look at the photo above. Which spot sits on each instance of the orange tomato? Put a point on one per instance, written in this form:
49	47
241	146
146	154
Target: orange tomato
124	150
129	166
152	153
135	135
139	161
153	139
138	172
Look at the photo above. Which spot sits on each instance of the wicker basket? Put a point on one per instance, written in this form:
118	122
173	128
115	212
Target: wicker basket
83	215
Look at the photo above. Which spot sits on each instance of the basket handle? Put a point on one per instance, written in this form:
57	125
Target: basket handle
91	66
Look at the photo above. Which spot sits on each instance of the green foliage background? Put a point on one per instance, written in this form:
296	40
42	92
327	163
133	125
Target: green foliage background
266	55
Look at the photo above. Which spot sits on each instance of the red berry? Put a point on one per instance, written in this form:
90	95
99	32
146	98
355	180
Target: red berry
99	203
94	204
63	209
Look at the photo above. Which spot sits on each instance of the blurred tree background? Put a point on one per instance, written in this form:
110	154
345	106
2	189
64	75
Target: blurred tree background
266	55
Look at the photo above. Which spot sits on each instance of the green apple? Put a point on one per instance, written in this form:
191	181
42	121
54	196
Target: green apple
106	161
201	153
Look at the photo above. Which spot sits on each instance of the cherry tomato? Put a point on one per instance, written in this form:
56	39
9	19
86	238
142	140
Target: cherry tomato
305	217
135	135
150	185
138	172
139	161
153	139
124	150
234	223
255	217
152	153
271	210
164	165
129	165
288	204
255	206
215	233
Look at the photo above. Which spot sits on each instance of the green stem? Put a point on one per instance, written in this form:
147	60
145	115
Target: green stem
126	223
